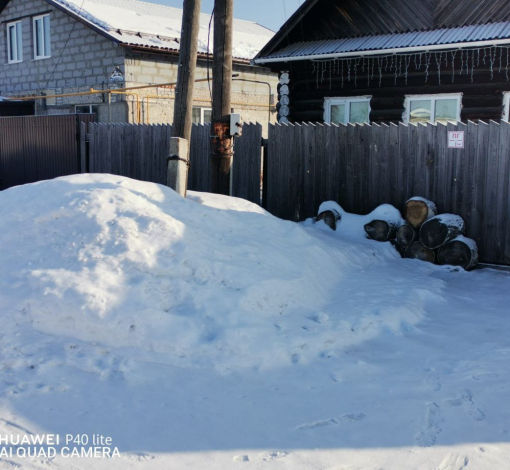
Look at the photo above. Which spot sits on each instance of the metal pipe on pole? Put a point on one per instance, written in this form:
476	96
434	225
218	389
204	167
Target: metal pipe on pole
222	143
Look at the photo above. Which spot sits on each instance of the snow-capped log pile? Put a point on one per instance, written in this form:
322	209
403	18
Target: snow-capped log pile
422	235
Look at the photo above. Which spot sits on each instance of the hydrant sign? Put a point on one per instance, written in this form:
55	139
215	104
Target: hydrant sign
456	139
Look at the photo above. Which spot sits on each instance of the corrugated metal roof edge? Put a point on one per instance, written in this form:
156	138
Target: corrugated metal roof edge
303	50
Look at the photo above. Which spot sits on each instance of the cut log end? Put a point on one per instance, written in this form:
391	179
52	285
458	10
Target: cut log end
406	235
459	253
380	230
439	230
418	251
330	218
418	211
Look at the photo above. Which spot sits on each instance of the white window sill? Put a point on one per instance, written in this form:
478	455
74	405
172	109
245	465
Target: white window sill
41	58
14	62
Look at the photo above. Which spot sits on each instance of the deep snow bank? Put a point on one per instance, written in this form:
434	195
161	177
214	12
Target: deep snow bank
122	263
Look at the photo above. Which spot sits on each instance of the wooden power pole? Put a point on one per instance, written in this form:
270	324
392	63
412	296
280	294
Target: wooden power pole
183	111
222	143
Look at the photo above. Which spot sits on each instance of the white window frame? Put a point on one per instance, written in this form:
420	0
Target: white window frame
202	113
506	106
19	47
90	106
347	101
45	46
433	98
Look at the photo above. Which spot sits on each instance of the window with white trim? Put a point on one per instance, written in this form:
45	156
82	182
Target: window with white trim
433	108
347	110
202	115
506	105
42	38
14	42
86	109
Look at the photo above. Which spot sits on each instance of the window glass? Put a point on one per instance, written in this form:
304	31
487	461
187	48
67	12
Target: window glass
39	50
42	37
207	116
446	110
12	43
420	111
359	112
196	115
15	42
338	114
47	40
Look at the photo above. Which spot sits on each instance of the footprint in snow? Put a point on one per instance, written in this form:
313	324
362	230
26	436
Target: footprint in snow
428	436
332	421
485	376
241	458
454	462
465	400
140	457
276	455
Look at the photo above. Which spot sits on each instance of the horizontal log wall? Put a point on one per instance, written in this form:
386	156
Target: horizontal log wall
364	166
482	95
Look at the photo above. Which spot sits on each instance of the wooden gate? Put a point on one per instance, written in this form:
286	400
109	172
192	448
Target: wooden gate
36	148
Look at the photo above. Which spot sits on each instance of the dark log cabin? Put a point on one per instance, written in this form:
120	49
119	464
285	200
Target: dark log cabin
387	61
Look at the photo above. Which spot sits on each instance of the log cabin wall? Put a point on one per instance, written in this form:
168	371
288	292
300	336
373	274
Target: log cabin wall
482	96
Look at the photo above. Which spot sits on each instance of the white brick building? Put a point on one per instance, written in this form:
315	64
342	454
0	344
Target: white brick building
60	47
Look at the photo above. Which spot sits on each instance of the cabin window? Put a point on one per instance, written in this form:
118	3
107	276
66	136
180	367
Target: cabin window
433	108
347	110
202	115
14	43
42	40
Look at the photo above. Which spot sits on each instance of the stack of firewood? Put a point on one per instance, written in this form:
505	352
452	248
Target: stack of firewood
426	236
422	234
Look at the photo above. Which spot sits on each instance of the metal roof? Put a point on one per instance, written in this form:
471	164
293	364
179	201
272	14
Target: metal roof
417	39
148	25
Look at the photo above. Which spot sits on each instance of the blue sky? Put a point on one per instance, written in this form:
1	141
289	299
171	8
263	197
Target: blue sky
269	13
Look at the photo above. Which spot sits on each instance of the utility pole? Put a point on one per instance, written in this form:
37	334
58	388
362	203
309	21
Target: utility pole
222	143
183	110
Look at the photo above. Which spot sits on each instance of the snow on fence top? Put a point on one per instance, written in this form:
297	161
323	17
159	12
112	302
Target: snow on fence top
136	23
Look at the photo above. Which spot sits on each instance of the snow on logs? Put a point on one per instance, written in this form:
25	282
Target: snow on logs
385	221
330	218
423	235
441	229
461	252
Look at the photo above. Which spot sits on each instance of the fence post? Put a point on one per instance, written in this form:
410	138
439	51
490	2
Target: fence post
178	163
83	148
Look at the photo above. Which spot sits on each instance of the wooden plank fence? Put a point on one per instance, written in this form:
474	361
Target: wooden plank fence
363	166
35	148
141	151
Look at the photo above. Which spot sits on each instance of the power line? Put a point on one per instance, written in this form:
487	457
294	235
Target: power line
65	47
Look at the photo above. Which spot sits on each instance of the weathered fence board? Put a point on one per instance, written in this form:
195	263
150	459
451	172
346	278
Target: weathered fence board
362	167
141	151
34	148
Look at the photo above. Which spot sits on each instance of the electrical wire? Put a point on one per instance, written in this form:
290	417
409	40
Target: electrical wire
208	48
65	47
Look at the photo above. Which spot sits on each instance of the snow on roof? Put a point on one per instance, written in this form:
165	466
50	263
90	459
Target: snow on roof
136	23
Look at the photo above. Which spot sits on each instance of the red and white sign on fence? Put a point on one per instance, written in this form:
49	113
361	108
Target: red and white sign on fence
456	139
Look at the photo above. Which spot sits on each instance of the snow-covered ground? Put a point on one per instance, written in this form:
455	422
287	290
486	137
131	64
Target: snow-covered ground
207	334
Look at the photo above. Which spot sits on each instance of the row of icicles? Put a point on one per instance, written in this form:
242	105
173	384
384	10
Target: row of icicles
443	62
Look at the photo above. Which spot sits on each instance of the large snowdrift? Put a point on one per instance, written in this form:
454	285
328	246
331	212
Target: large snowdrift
191	328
